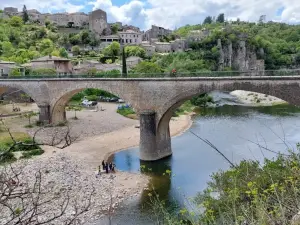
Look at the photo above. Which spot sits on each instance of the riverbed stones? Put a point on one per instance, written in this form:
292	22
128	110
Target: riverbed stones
73	178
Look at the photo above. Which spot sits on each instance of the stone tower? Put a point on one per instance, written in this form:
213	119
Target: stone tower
98	21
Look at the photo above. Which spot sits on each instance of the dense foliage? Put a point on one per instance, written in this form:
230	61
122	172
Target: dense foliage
277	43
21	42
249	193
254	193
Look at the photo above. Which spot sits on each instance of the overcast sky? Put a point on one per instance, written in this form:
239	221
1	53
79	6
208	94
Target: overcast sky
170	13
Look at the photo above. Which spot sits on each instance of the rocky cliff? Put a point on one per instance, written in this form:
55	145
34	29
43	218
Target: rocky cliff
238	57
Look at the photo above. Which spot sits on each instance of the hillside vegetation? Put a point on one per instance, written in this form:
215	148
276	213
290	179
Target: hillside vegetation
277	43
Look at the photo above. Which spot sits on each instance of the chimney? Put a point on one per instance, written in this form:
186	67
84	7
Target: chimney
50	56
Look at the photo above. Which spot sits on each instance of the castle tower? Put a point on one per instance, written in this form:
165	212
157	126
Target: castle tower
98	21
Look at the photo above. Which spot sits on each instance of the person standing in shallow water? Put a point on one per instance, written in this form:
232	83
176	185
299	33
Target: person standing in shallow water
106	167
110	166
103	165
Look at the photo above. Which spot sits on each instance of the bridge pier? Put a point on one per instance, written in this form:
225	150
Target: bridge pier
44	115
153	145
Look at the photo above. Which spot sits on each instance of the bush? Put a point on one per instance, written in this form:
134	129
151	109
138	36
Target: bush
202	100
92	98
92	72
125	111
260	192
77	97
7	157
29	154
43	72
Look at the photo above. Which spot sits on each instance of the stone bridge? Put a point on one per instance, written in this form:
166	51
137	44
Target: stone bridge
154	99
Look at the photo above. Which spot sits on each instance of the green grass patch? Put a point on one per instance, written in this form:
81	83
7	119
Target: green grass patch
28	150
127	112
29	154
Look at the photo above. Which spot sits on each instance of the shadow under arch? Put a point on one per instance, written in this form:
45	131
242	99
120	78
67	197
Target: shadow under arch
58	112
5	88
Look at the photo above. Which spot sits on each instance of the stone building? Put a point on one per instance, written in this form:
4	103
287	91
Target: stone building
10	10
130	27
6	68
150	49
179	45
98	21
163	47
62	66
133	61
130	37
85	66
198	35
156	32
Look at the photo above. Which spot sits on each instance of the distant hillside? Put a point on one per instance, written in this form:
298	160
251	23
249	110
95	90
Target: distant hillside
277	43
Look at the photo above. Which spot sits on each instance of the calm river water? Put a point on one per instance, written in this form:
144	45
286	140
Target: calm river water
232	128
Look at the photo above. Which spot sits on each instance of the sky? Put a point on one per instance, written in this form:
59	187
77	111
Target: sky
170	13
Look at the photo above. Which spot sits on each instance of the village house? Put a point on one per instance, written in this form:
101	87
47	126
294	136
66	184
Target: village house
62	66
7	67
133	61
130	37
155	32
85	66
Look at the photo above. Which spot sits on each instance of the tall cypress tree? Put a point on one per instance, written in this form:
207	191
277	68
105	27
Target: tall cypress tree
25	14
124	66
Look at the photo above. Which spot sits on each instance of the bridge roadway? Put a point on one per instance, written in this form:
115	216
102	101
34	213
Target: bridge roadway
154	99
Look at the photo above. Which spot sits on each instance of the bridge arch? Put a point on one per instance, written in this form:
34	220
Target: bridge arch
58	104
34	93
287	92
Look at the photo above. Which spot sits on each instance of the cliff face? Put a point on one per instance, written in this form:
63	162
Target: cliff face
239	57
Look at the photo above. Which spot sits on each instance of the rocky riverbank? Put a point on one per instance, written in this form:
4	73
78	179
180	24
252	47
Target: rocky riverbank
256	99
73	169
63	176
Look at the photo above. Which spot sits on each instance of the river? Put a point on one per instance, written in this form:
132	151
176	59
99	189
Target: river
234	129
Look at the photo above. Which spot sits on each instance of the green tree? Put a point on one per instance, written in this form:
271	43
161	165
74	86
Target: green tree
112	50
46	46
25	15
124	66
16	21
76	50
115	28
221	18
202	100
148	68
85	37
135	51
75	40
15	72
75	109
63	53
29	116
7	48
208	20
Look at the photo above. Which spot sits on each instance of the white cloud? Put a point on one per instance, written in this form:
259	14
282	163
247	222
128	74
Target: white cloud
175	13
129	13
44	5
172	13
